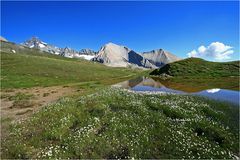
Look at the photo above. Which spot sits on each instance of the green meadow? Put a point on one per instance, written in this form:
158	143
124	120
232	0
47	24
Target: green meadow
110	123
117	124
29	70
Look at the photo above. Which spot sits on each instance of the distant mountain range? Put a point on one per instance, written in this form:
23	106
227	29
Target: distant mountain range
35	42
110	54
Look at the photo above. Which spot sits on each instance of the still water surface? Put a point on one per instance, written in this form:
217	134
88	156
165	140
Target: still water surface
151	85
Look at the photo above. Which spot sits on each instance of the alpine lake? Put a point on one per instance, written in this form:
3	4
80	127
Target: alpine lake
156	85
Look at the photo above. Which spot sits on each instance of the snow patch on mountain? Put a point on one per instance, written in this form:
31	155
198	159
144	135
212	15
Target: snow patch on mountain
87	57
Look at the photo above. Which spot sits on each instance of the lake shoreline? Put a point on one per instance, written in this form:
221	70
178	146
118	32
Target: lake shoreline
149	85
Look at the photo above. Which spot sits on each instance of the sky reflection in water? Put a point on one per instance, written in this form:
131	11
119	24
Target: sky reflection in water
149	84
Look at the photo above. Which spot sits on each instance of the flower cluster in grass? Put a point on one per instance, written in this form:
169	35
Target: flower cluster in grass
117	124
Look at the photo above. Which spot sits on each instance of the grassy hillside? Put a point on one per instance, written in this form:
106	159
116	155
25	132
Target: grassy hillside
29	67
196	67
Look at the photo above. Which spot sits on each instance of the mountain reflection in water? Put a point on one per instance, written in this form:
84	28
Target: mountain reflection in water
155	85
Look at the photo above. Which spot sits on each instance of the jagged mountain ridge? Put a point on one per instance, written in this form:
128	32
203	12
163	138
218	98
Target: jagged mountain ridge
35	42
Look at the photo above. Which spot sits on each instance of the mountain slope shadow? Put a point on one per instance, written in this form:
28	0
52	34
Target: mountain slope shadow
135	58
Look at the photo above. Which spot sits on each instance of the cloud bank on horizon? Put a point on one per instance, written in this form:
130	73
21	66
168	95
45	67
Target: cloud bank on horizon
216	50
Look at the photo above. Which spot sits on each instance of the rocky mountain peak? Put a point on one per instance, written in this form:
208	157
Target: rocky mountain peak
112	47
110	44
156	51
120	56
35	38
159	57
35	42
88	52
67	49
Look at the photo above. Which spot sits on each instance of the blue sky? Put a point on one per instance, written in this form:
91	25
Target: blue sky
179	27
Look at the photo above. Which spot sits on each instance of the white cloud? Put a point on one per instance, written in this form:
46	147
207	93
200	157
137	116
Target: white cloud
216	50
